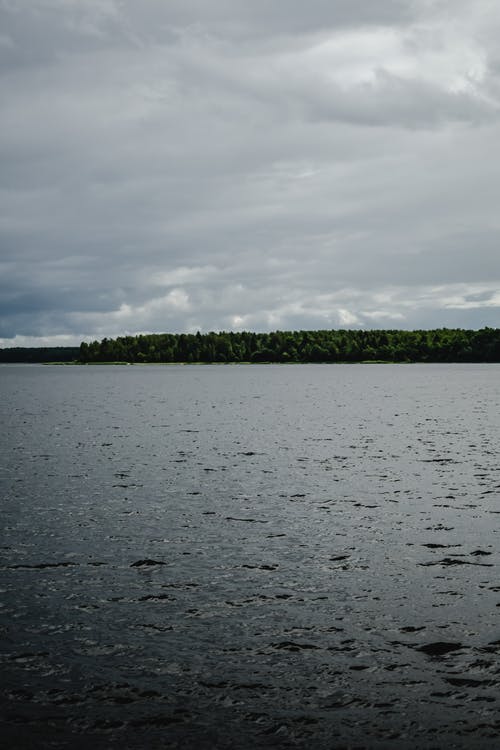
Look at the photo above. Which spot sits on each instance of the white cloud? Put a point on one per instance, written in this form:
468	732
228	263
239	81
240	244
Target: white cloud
184	275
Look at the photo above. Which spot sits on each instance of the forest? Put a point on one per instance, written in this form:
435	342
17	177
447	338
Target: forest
439	345
40	354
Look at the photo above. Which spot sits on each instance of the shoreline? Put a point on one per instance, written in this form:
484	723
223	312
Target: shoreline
237	364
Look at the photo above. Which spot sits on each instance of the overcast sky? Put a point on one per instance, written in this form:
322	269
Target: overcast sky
183	165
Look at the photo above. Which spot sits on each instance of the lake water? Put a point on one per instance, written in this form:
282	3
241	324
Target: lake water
250	556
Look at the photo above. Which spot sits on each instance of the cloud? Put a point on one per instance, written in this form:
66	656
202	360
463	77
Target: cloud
190	165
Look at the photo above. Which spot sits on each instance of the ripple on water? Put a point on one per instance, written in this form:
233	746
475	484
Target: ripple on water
195	567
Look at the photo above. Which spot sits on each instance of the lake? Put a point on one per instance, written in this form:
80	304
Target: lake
294	556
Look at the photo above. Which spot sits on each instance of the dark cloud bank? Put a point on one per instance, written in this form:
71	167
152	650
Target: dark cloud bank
247	165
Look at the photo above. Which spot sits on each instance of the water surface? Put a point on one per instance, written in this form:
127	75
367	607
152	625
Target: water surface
250	556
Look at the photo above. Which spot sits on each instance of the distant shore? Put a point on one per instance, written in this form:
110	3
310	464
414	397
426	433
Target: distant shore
340	346
237	364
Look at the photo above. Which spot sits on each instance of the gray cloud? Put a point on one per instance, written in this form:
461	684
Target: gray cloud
185	165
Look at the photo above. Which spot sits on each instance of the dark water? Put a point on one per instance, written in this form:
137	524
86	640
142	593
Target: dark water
246	557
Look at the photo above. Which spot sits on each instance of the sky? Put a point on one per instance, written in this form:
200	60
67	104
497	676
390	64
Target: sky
184	165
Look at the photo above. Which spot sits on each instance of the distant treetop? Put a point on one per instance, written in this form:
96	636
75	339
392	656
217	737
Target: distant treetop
439	345
40	354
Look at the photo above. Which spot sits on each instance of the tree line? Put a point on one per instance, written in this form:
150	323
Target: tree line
439	345
40	354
